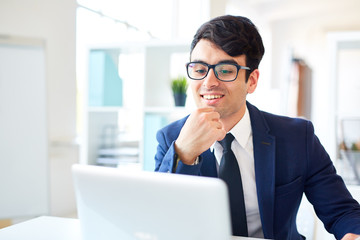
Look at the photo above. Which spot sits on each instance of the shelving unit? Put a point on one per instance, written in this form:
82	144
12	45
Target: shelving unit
123	135
344	49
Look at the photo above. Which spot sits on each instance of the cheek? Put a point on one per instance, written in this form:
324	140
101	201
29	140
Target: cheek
195	85
238	91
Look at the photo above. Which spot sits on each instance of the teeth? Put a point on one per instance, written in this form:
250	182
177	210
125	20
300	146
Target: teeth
209	97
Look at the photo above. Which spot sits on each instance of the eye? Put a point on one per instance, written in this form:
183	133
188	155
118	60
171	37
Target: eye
199	69
225	69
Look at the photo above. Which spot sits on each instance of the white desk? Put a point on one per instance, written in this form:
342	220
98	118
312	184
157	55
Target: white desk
54	228
43	228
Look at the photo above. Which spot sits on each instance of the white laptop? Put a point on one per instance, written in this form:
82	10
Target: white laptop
137	205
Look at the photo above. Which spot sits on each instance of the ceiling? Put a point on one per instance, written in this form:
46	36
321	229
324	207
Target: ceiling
274	10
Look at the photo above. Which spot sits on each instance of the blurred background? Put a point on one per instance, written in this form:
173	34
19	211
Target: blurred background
89	81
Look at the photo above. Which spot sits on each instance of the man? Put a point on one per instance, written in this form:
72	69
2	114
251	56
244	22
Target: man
279	158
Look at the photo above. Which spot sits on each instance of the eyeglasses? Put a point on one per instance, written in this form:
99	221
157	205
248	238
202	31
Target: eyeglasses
226	72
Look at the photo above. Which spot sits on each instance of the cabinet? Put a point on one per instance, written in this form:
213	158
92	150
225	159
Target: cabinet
24	167
123	111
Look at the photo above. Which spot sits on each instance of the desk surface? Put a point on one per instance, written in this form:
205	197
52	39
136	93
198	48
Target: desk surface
43	228
54	228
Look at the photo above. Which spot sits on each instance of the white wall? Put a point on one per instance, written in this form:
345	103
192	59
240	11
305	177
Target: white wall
299	28
306	37
54	22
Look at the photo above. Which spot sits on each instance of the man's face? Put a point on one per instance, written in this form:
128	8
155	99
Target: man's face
227	98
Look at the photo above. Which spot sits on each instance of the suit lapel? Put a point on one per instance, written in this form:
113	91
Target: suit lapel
264	157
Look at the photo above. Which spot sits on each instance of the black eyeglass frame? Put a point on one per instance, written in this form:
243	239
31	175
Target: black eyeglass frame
212	66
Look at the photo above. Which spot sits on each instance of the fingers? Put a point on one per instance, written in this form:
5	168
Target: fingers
207	114
200	131
351	236
217	124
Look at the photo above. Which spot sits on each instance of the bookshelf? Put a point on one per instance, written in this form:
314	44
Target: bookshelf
121	130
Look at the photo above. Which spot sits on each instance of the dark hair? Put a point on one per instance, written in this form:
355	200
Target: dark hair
235	35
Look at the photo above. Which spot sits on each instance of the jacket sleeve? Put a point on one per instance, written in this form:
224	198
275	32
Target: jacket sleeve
165	157
165	154
326	190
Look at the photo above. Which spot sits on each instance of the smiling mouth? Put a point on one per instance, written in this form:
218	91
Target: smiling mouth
211	97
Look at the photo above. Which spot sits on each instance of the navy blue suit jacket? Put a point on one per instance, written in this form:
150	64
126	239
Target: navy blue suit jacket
289	161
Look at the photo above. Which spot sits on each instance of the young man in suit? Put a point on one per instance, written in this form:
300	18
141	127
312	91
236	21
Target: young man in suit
277	158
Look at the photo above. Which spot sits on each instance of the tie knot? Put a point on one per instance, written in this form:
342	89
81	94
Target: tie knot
226	142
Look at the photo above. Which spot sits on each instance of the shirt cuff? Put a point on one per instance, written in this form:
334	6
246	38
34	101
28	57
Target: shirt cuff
177	159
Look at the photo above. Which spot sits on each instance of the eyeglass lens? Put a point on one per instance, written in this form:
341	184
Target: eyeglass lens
225	72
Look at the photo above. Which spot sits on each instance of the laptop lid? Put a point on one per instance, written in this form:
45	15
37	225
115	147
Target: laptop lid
137	205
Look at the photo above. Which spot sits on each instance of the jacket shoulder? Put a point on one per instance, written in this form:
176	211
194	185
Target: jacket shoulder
277	124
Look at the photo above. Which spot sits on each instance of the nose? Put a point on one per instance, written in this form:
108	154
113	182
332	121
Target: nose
210	80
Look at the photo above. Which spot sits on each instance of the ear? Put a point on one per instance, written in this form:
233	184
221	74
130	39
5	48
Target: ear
252	81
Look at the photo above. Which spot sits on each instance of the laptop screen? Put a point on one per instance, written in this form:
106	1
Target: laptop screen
128	205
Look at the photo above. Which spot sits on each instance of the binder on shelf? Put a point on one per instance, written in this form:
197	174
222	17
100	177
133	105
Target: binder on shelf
105	85
117	156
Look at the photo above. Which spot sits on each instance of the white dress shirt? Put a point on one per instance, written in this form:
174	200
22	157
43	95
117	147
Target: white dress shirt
242	147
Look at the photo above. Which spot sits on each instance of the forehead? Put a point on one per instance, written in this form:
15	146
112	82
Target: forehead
207	51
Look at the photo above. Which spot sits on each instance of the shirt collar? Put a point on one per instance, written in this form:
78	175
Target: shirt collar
242	130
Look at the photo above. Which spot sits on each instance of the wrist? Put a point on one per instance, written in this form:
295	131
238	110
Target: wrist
194	161
185	157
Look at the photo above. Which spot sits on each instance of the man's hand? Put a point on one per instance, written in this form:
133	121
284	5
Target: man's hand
351	236
200	131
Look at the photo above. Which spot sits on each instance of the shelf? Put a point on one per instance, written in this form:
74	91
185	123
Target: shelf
121	151
107	109
165	110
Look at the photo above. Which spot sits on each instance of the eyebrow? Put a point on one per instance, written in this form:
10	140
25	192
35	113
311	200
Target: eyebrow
228	61
222	61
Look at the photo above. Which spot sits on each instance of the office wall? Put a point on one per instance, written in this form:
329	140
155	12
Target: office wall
52	21
305	37
299	28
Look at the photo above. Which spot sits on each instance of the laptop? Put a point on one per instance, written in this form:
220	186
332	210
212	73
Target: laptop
114	203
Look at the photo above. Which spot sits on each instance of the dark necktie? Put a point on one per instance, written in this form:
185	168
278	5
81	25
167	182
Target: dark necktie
230	173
